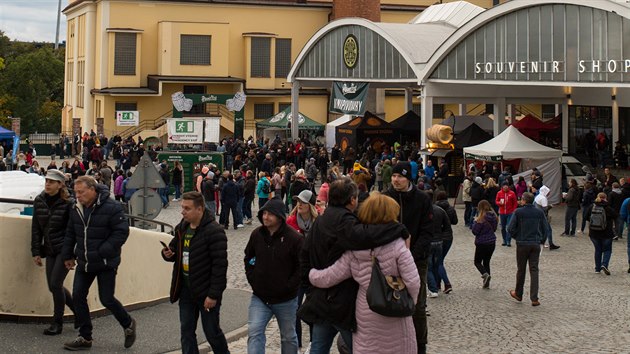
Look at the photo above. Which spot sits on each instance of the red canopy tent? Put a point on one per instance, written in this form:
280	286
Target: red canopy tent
531	126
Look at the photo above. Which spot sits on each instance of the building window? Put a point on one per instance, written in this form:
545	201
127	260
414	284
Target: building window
126	106
438	111
263	110
283	57
81	83
282	106
548	111
261	57
125	54
194	50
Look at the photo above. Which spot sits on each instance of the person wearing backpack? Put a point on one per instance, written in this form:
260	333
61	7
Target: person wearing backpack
600	230
263	189
590	192
207	190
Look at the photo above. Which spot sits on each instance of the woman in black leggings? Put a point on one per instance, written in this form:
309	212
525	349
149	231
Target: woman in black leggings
484	228
50	217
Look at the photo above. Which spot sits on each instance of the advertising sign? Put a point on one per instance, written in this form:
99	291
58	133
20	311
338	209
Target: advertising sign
127	118
192	162
185	131
349	98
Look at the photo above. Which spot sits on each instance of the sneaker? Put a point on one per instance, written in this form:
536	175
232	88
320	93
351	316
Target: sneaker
509	245
503	244
78	344
546	246
448	289
605	270
515	296
175	200
226	227
535	303
615	238
486	281
130	334
553	247
598	272
240	226
432	294
54	329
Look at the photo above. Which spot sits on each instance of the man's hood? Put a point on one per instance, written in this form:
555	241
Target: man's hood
544	190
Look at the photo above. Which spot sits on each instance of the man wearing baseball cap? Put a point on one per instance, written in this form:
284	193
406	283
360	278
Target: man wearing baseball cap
416	213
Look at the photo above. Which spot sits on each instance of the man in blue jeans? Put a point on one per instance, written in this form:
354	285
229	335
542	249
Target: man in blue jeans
272	269
199	253
98	257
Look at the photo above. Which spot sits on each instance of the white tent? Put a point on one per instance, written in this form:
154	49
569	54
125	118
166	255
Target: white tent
513	145
510	145
330	129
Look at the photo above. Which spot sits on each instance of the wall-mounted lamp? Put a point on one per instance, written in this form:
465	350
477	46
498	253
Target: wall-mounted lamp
568	96
613	97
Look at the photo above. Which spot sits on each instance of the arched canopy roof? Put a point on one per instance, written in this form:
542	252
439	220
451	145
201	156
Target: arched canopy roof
387	52
550	42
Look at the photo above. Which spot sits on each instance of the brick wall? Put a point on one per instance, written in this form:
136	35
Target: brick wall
368	9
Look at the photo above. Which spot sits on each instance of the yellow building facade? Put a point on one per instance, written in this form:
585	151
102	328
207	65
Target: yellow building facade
133	55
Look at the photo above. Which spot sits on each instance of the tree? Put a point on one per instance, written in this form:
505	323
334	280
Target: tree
35	80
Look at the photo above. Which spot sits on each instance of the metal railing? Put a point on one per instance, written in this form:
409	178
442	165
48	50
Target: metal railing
133	219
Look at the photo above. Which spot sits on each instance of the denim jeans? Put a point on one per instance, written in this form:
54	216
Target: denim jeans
55	274
473	214
163	192
505	220
298	322
446	246
527	254
247	208
189	311
570	220
178	190
323	336
239	212
433	274
259	316
468	213
603	251
261	202
106	286
628	248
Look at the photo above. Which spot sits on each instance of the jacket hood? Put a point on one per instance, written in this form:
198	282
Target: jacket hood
544	190
490	217
274	206
617	190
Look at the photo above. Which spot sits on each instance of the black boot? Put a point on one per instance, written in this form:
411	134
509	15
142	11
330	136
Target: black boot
54	329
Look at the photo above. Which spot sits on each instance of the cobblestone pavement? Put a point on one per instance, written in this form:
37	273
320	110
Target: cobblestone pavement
581	311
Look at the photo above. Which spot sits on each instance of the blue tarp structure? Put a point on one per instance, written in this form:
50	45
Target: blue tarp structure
6	134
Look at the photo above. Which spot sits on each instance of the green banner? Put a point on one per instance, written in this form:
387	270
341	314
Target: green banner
349	98
192	162
239	116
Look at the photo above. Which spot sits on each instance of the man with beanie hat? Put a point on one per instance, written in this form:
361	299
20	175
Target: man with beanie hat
416	213
272	267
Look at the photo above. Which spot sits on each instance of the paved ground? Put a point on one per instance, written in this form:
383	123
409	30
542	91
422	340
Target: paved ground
581	311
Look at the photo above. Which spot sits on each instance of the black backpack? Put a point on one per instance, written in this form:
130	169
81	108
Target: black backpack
266	186
598	221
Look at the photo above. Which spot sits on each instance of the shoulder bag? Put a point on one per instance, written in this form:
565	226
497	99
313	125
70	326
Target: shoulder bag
388	295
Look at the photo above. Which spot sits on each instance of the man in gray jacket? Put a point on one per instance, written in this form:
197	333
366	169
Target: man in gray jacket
529	228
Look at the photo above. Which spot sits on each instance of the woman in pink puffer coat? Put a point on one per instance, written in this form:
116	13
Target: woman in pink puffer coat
376	333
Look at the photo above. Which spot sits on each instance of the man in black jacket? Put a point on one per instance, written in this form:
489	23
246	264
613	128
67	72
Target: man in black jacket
199	250
272	269
96	232
229	200
416	213
331	310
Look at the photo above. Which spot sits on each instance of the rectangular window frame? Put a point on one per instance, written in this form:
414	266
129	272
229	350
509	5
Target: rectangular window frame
193	49
260	66
283	57
125	50
263	110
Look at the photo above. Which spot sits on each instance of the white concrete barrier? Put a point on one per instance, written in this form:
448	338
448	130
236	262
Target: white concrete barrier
143	276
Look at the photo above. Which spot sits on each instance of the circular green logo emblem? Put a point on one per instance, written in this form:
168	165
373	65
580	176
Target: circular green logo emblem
350	51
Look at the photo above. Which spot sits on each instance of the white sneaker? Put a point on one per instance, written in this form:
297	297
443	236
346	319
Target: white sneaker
175	200
240	226
433	295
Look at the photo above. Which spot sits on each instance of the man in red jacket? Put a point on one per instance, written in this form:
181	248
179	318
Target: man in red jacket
507	202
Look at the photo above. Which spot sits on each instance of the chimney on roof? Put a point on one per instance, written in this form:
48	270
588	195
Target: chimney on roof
368	9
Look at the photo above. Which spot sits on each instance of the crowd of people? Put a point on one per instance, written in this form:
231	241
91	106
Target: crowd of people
324	223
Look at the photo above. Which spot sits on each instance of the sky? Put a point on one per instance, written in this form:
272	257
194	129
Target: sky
32	20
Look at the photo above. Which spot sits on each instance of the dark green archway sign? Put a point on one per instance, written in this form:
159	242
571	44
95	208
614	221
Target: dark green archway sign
239	117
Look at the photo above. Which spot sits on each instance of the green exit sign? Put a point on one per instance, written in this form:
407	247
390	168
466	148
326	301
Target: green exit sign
186	126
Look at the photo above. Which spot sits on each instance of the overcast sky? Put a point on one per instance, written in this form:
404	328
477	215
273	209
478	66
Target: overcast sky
32	20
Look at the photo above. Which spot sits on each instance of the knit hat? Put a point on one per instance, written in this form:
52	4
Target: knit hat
276	207
403	169
56	175
478	180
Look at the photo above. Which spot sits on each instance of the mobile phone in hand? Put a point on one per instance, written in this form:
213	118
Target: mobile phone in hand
163	244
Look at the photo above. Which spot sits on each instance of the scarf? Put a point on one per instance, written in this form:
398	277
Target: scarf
304	224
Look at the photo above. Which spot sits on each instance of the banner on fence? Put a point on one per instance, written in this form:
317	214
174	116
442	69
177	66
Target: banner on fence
185	131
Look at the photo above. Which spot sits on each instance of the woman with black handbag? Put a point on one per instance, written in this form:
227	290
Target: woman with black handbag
388	281
50	217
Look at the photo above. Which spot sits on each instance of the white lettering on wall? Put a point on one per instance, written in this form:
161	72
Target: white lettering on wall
555	66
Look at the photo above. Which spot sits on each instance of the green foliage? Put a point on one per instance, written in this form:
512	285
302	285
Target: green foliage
31	85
